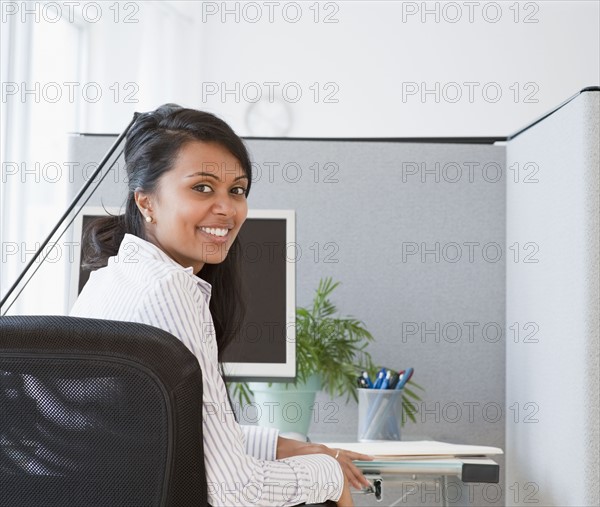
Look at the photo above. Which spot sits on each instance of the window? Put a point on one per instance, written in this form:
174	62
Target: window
41	55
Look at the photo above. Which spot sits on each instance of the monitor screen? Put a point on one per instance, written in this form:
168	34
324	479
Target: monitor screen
264	349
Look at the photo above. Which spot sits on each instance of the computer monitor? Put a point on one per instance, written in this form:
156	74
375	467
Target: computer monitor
265	347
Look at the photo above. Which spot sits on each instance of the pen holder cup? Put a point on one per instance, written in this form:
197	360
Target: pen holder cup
379	414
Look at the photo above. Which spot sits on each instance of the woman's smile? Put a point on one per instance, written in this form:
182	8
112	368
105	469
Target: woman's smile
215	234
199	206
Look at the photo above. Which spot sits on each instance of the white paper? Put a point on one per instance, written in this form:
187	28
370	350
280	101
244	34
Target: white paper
415	448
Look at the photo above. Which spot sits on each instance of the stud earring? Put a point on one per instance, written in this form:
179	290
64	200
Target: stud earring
149	219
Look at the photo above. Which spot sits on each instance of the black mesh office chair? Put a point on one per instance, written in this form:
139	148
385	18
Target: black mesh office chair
98	413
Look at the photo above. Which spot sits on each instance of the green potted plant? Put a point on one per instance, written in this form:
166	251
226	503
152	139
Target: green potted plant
330	355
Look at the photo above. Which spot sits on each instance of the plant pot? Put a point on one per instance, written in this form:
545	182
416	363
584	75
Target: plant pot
286	406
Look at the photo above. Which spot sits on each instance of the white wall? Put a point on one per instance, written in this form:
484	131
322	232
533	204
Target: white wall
367	55
371	52
152	54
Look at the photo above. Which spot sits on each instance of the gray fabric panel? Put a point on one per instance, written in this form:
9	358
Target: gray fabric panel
557	451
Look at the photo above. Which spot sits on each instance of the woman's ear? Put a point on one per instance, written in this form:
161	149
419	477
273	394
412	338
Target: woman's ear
142	200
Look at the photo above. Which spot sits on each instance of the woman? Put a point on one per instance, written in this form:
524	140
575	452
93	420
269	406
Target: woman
165	263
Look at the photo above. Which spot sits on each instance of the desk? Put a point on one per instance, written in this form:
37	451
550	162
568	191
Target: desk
425	479
452	478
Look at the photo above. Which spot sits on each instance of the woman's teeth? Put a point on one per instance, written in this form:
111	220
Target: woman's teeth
215	232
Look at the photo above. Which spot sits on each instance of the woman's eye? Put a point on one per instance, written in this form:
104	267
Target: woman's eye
202	188
239	190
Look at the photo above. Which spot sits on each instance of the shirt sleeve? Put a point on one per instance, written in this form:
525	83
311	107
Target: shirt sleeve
260	442
234	477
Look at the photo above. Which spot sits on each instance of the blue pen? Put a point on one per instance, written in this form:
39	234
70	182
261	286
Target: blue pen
377	401
379	379
383	379
405	378
390	381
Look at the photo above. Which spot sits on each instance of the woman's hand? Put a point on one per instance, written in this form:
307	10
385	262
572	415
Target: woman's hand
351	472
287	447
346	499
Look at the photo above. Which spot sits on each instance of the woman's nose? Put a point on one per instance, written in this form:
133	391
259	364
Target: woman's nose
224	205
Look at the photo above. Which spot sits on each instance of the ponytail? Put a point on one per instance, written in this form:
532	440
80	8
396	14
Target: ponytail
102	236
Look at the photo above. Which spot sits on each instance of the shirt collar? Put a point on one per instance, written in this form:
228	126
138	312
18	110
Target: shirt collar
147	250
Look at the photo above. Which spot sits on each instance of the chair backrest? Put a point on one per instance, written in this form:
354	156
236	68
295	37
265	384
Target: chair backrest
96	412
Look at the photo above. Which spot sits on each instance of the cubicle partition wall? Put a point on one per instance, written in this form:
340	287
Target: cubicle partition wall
415	233
552	369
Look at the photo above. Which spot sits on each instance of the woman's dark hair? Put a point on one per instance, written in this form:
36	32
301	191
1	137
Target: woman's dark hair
151	147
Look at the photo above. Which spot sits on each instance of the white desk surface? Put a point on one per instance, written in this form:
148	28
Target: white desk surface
470	463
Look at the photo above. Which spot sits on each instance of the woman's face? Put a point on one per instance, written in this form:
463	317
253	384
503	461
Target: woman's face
199	205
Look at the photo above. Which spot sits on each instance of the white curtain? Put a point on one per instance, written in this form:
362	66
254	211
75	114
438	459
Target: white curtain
39	55
150	62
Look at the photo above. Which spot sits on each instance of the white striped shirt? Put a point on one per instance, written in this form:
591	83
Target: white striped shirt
143	284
